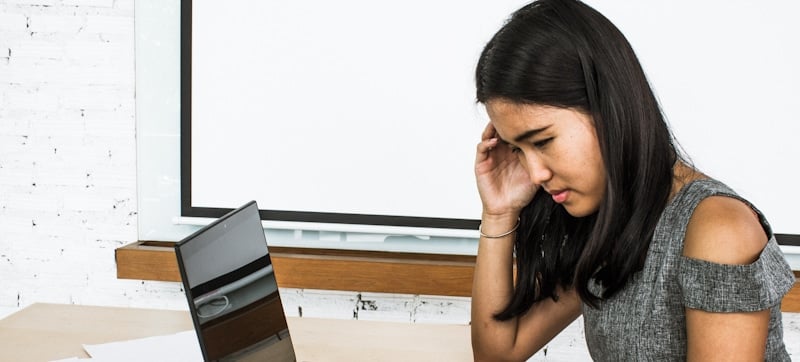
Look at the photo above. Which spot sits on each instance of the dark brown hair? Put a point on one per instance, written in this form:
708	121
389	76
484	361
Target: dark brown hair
563	53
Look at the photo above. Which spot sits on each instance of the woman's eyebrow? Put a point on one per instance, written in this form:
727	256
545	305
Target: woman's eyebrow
528	134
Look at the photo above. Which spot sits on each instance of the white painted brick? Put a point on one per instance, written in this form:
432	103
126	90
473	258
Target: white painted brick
115	123
291	299
376	306
120	119
56	131
33	201
8	40
436	309
43	293
113	237
54	72
26	143
2	103
135	298
13	22
93	149
48	274
32	98
386	307
13	111
80	201
69	24
22	217
31	2
122	25
15	224
67	109
53	233
791	333
98	97
569	345
124	5
33	49
72	251
14	145
115	186
36	250
76	171
12	127
17	273
95	229
8	296
96	3
148	294
93	51
155	287
329	304
62	37
11	177
63	175
104	37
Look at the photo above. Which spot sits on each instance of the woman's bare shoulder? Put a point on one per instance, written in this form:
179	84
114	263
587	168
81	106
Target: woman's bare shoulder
724	230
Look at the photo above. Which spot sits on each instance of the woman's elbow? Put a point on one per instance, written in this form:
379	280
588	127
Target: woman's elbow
484	353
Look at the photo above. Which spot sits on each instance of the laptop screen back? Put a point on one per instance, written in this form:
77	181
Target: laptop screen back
230	285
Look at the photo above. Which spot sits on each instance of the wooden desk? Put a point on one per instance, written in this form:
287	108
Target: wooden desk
43	332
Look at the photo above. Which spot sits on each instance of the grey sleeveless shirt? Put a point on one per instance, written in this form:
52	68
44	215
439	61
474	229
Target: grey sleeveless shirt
646	320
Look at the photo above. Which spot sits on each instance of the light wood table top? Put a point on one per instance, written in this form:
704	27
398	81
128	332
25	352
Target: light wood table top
44	332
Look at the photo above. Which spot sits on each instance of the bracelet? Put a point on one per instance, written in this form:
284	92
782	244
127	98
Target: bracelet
498	236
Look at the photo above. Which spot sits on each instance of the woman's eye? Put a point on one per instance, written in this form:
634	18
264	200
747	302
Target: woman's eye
512	148
542	143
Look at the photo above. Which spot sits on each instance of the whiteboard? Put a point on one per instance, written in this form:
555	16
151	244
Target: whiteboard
349	107
359	107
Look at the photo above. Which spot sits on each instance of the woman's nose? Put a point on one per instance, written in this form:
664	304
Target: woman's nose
538	171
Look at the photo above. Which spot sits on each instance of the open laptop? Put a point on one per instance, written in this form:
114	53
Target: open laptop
230	286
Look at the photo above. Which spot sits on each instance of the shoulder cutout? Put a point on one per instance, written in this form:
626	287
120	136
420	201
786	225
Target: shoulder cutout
724	230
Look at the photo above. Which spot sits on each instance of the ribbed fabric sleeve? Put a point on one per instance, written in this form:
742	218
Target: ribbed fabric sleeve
757	286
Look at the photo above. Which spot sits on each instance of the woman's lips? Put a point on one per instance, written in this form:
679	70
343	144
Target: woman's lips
560	196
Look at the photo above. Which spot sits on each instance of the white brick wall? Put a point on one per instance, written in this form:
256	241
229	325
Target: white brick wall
68	155
375	306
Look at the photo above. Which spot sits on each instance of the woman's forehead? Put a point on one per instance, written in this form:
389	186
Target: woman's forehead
513	118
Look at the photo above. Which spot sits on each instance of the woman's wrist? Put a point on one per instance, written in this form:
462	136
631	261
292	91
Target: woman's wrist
498	225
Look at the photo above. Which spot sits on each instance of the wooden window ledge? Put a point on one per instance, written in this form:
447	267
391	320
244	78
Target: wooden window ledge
353	270
305	268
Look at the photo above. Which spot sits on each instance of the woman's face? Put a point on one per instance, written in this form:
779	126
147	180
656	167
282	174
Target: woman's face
559	149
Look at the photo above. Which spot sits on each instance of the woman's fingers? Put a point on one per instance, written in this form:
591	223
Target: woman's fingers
489	132
484	155
487	145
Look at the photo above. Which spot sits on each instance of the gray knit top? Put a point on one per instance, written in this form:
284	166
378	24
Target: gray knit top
645	321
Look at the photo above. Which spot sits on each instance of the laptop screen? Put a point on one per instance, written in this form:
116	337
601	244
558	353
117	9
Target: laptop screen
230	285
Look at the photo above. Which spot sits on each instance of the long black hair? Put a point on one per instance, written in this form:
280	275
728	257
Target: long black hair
563	53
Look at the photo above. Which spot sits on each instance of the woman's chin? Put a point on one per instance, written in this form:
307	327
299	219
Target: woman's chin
577	211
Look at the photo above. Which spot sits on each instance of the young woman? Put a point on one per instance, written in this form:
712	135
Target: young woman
588	208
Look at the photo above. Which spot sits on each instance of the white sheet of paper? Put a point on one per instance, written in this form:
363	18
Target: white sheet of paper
182	346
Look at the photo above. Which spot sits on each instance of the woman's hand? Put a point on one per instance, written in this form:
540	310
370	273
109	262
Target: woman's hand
503	182
505	188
